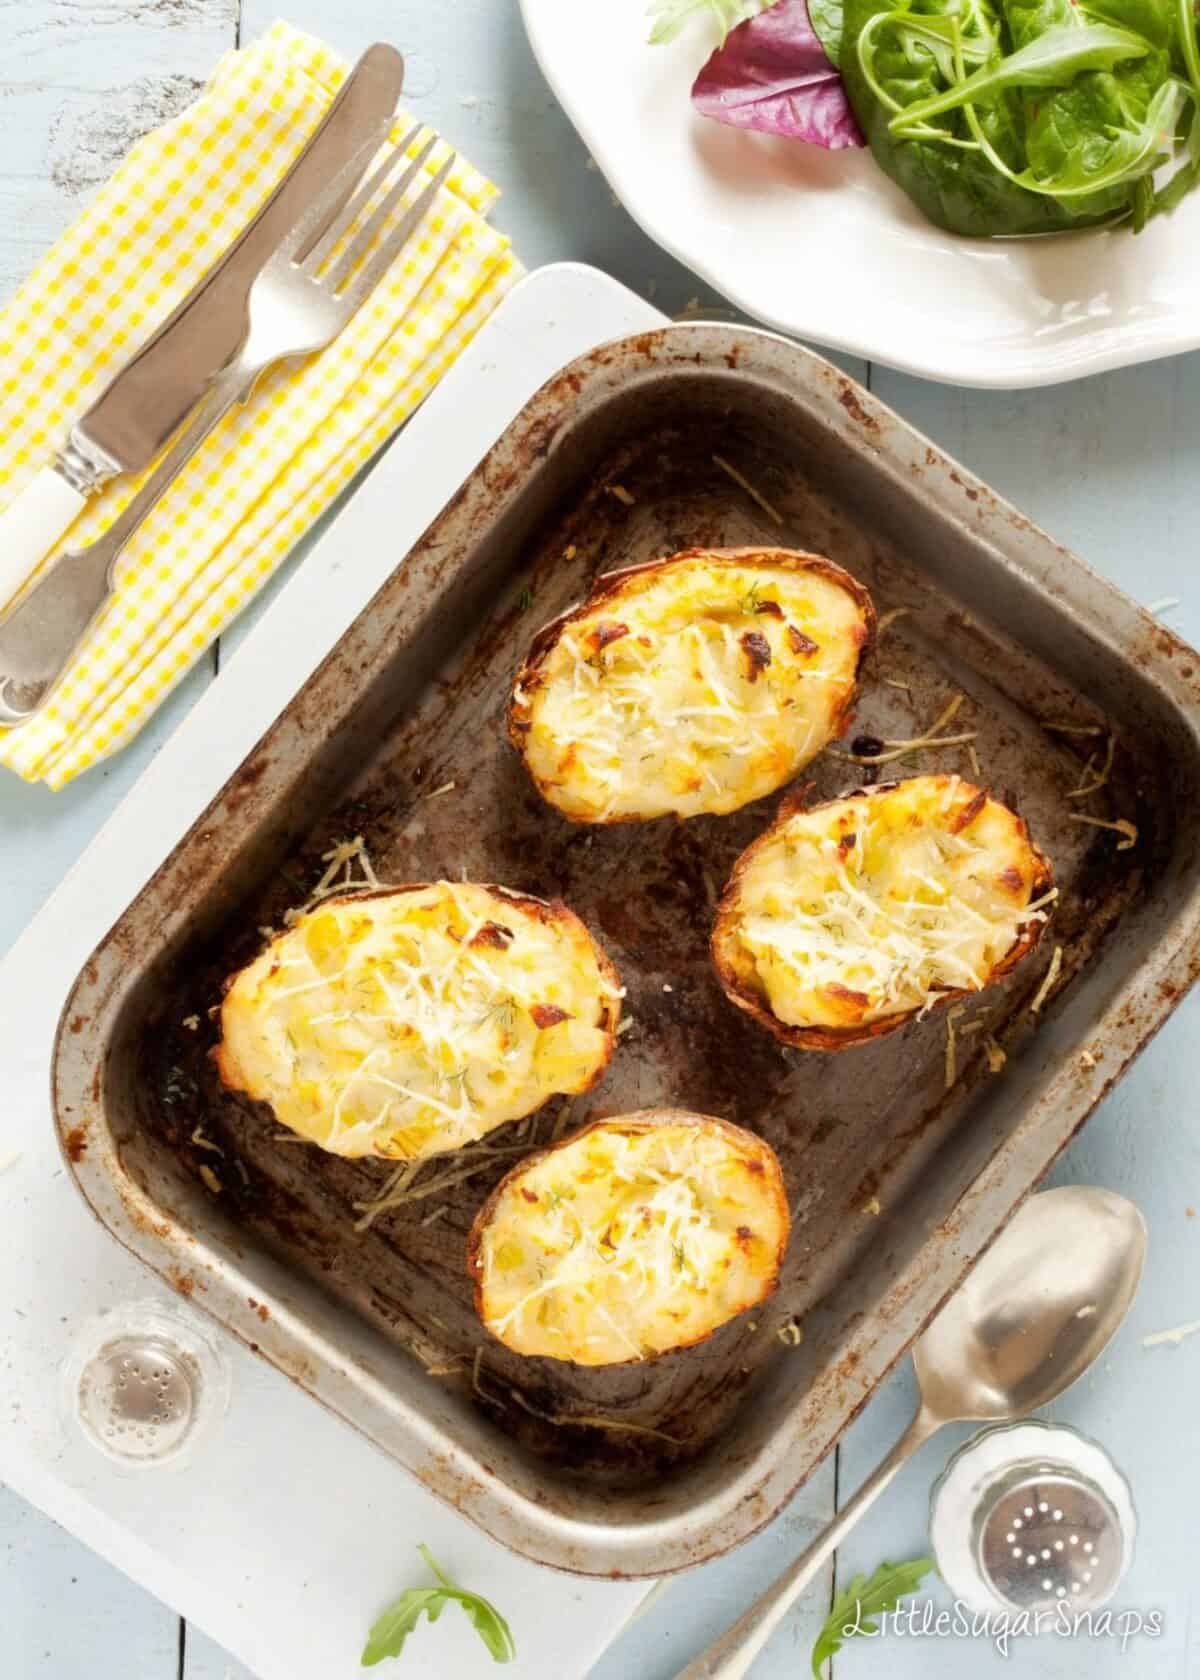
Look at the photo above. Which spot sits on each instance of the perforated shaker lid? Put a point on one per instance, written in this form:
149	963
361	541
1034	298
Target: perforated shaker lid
145	1383
1031	1516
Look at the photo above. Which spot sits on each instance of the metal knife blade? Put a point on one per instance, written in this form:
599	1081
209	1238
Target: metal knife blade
135	415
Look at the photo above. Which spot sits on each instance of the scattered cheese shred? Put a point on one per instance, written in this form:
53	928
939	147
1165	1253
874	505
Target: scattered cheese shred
771	512
446	787
889	618
996	1055
211	1180
338	878
622	495
1122	826
405	1184
930	738
1100	779
566	1420
1048	979
1172	1338
873	1207
951	1051
790	1333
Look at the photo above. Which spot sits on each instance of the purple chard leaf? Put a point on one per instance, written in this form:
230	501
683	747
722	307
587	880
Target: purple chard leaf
772	74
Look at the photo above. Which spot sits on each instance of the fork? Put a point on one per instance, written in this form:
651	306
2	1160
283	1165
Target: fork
305	295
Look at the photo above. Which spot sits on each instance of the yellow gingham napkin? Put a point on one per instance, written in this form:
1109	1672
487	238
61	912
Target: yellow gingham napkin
179	199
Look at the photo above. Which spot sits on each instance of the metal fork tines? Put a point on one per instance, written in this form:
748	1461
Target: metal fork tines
307	292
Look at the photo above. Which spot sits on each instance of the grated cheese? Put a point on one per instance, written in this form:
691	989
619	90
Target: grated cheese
1122	826
630	1239
1048	979
1173	1337
889	618
771	512
694	687
416	1021
930	738
831	934
1100	779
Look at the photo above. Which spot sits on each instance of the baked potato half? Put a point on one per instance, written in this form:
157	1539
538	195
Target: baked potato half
690	685
411	1020
844	921
636	1236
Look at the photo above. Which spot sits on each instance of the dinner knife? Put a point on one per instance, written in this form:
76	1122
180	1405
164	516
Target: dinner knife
143	405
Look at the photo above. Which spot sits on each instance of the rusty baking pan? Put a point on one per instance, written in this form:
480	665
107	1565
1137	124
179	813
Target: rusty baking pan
903	1157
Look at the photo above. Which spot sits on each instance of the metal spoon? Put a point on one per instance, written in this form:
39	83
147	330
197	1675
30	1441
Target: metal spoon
1036	1311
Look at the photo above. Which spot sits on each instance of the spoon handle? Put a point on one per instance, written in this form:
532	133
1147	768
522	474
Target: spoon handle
732	1655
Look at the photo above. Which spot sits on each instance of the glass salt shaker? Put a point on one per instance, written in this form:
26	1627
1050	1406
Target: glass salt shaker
146	1383
1029	1517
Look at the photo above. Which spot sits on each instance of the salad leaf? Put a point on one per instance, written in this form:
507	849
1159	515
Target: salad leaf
773	75
862	1599
387	1637
1051	60
669	17
828	19
996	119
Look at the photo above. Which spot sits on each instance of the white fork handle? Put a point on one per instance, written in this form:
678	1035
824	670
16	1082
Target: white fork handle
31	526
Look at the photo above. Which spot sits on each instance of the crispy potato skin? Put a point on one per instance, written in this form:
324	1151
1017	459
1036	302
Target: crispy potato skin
755	1151
608	588
830	1038
547	911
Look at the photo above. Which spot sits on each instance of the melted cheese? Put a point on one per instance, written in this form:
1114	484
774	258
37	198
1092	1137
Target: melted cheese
636	1236
696	685
416	1020
873	907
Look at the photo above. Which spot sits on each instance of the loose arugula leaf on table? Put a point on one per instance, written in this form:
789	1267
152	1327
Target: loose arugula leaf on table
863	1599
387	1637
668	17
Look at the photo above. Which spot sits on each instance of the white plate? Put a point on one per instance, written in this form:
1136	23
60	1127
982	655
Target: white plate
822	245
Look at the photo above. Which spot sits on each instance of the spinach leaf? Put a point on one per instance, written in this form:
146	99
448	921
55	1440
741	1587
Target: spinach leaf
828	19
1005	117
1050	60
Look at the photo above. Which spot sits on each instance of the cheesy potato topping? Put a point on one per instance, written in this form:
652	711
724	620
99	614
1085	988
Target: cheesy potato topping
413	1020
635	1236
694	684
864	911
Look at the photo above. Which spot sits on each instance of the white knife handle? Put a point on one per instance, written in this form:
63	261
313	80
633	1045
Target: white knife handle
29	529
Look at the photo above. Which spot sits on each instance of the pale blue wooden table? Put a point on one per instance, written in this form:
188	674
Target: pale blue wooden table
1110	466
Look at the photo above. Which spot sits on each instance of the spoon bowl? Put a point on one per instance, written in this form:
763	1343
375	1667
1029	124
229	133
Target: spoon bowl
1037	1310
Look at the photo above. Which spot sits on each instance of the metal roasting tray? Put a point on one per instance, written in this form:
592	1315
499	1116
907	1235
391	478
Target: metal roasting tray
903	1160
